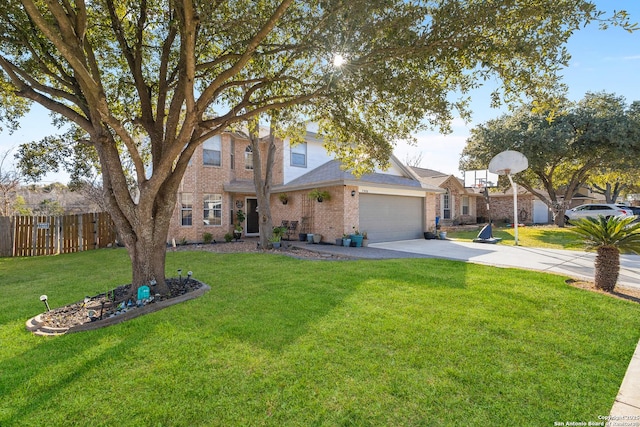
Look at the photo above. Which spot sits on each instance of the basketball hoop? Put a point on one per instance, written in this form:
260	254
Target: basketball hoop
507	163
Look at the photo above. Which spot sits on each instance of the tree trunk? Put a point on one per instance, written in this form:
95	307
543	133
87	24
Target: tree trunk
263	185
142	222
607	267
146	243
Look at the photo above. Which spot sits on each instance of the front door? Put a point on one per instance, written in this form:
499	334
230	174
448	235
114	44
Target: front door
253	227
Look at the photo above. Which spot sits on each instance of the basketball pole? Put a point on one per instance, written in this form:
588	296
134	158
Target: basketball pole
515	206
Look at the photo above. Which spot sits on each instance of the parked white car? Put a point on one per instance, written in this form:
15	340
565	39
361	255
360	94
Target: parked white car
595	209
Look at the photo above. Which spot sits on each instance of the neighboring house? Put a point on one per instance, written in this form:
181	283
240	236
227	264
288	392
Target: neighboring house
456	204
531	210
388	205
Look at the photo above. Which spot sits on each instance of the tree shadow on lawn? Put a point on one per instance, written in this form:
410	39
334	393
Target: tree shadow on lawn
38	379
274	311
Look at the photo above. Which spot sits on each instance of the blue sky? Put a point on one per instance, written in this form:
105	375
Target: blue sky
601	61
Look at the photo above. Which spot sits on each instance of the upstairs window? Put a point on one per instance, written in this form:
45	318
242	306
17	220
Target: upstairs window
299	155
212	151
248	157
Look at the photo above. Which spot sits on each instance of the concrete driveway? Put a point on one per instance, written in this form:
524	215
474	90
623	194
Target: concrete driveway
576	264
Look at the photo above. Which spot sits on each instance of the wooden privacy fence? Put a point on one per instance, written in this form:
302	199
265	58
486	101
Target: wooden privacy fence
50	235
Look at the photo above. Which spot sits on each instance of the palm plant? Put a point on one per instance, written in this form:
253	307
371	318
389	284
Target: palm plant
608	236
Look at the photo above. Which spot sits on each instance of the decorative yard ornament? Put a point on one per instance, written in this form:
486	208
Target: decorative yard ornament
507	163
43	298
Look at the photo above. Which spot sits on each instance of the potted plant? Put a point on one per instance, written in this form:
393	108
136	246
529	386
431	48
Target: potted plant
346	240
319	195
356	238
237	229
284	198
278	232
365	239
275	241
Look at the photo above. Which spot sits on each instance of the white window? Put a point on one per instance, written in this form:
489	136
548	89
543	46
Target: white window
299	155
212	209
465	205
186	208
446	205
248	157
212	151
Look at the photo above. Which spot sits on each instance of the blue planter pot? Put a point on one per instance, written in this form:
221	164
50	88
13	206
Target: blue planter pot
356	239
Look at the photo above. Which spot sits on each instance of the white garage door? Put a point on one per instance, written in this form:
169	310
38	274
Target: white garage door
387	218
540	212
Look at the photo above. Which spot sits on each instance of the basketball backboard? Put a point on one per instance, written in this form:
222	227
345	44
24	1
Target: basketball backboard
480	178
508	162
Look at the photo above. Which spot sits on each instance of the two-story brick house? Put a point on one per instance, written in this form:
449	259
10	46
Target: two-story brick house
388	205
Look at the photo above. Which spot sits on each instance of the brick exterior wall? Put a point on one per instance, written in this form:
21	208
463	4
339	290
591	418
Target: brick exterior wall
430	202
502	208
200	179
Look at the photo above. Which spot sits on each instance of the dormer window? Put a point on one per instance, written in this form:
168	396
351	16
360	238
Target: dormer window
299	155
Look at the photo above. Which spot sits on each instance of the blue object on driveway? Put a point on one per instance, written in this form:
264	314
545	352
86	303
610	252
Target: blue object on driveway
486	235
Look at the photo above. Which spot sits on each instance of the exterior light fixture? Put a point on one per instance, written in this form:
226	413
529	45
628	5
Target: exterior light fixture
353	193
43	298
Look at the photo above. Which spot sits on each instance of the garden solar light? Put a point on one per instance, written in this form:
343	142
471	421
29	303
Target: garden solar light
189	274
180	274
43	298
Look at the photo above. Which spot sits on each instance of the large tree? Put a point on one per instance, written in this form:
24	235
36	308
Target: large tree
147	81
563	152
9	184
613	184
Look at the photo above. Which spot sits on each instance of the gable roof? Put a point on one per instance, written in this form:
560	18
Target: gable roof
331	173
435	178
428	173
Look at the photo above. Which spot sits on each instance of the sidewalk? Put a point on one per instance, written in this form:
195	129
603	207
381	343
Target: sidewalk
576	264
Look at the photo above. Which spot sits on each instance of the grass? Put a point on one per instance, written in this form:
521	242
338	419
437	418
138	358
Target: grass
280	341
530	236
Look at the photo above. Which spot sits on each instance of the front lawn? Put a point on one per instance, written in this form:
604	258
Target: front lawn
280	341
550	237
